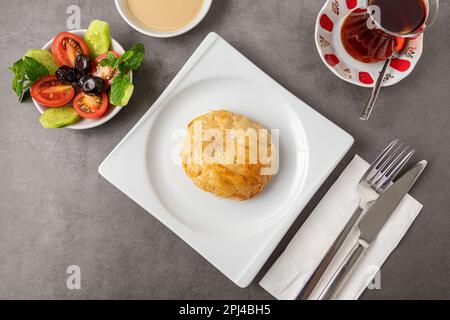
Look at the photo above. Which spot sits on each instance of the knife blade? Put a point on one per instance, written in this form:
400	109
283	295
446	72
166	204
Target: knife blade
370	225
377	215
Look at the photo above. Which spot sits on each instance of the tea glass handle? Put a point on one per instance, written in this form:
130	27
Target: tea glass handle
365	114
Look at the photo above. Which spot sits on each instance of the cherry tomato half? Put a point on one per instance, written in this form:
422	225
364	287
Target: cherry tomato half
107	73
91	106
49	92
66	46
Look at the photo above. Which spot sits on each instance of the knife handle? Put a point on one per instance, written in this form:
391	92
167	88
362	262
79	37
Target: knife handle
343	272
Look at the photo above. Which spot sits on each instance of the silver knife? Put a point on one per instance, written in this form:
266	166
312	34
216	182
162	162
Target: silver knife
369	227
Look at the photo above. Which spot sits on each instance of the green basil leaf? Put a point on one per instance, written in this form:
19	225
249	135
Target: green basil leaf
104	63
134	57
18	67
26	71
34	69
17	86
122	69
17	83
127	55
118	86
110	60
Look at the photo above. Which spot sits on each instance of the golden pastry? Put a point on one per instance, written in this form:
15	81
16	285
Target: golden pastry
221	154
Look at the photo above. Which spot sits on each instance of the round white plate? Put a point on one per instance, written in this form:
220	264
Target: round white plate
202	211
124	11
336	58
112	110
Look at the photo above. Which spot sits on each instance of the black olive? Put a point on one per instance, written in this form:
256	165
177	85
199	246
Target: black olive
67	74
92	85
81	80
82	64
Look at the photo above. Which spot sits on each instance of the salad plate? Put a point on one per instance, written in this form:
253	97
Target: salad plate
237	237
335	56
112	110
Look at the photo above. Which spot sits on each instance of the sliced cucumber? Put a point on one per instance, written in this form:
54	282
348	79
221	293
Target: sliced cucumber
58	117
124	98
98	38
45	57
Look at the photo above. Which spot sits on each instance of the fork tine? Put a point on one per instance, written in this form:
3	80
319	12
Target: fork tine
396	160
382	185
380	158
381	170
388	164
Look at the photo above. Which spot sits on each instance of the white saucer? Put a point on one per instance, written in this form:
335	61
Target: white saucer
336	58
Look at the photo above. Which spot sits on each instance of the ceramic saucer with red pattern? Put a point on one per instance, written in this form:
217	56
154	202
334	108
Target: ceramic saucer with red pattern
335	56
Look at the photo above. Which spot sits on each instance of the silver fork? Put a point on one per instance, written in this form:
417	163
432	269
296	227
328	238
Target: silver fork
382	171
374	182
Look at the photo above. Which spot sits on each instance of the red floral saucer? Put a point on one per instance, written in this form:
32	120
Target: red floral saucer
335	56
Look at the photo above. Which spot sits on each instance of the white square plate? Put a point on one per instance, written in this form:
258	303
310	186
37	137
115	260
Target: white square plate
237	237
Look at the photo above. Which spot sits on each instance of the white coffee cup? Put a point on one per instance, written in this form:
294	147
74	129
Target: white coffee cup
128	16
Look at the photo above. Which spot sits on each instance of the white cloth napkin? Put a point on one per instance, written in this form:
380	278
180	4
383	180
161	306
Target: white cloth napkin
294	267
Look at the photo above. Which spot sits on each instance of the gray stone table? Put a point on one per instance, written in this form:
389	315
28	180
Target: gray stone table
56	211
